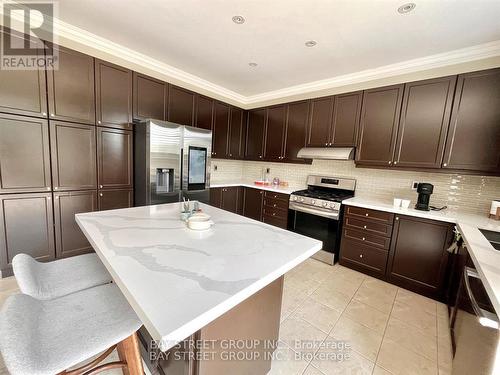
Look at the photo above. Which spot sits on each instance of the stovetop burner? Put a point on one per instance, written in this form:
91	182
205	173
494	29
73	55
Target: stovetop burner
334	196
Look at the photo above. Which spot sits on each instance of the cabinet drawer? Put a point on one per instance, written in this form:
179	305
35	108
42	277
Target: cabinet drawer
363	256
276	203
275	212
273	195
368	238
275	220
379	216
368	226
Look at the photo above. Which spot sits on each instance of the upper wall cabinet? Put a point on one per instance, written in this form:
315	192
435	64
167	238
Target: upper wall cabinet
473	141
113	95
180	107
204	112
70	88
424	121
320	122
379	124
256	127
346	114
150	97
24	154
220	130
275	132
114	158
236	134
22	92
296	130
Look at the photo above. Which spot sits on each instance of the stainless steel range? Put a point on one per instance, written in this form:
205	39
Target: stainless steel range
317	211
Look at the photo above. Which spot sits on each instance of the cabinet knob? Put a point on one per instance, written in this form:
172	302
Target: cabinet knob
100	186
326	144
364	238
366	215
364	226
55	188
361	255
395	162
445	164
52	115
329	144
44	113
261	192
260	156
99	122
390	162
48	188
215	153
230	154
274	213
397	217
100	194
274	205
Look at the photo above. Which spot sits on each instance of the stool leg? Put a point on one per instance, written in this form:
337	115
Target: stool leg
128	351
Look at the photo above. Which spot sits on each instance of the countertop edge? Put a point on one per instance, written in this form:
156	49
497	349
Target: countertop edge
287	190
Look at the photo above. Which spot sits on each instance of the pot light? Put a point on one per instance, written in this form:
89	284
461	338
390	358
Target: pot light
310	43
406	8
238	20
252	64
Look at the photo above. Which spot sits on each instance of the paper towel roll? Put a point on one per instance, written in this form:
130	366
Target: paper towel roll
494	206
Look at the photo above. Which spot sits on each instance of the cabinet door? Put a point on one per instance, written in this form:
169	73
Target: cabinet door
70	240
425	117
24	154
73	156
275	132
320	122
150	97
296	130
114	158
204	112
221	130
252	203
418	256
346	115
113	95
255	134
71	93
236	133
216	197
26	227
473	141
230	199
379	124
180	107
115	198
23	92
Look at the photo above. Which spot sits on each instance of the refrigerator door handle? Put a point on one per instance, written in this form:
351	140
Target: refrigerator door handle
181	170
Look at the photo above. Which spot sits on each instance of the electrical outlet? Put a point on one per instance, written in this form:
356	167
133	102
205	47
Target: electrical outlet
414	185
268	170
215	167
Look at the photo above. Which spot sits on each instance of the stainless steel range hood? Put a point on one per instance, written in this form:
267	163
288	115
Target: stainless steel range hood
330	153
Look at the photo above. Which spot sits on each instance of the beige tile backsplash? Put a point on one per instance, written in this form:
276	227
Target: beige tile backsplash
457	191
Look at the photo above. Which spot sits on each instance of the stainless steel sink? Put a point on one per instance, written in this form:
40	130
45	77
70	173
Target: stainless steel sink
493	237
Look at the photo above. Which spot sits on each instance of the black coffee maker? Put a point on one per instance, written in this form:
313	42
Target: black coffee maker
424	191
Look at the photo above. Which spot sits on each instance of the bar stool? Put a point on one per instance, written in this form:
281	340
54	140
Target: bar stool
50	337
55	279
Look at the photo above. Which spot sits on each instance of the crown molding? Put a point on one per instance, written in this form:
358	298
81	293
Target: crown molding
457	61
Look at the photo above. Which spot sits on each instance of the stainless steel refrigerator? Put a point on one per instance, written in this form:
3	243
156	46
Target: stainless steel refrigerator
171	161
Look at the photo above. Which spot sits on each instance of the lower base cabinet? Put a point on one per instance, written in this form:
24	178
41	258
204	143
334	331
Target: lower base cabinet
228	198
115	199
252	205
27	222
70	240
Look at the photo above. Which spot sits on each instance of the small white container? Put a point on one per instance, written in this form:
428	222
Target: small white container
405	203
397	202
199	221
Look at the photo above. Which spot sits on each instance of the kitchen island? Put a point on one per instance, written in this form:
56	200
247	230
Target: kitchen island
219	285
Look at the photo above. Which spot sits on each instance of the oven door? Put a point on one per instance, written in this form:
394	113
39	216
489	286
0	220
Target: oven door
322	225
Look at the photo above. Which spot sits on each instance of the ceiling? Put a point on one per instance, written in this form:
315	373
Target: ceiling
198	36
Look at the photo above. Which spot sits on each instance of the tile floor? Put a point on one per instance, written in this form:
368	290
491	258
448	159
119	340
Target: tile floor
384	329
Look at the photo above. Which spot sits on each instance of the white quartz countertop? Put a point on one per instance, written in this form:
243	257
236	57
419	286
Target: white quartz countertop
178	280
251	184
485	257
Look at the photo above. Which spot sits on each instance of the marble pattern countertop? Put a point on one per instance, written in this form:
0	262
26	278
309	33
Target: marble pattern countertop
178	280
251	184
485	257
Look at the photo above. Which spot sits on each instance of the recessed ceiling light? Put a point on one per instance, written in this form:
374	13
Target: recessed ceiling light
310	43
238	19
252	64
406	8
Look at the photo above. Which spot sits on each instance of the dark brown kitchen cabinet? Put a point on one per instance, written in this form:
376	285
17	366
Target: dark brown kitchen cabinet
296	130
70	88
24	154
204	112
418	256
252	203
23	92
425	117
346	116
216	197
232	199
114	158
320	122
236	134
73	150
473	141
256	127
70	240
113	199
150	97
275	132
27	227
220	132
180	107
379	124
113	95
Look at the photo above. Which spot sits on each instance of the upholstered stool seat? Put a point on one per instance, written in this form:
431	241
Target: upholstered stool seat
58	278
48	337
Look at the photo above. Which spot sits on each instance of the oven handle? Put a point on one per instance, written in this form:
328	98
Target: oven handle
486	318
312	211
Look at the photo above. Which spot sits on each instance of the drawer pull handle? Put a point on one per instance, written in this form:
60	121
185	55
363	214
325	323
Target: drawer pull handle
274	205
364	238
366	215
361	255
364	226
274	213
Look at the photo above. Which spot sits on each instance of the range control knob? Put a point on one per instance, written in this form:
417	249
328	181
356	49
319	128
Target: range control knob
302	199
325	204
313	201
295	198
